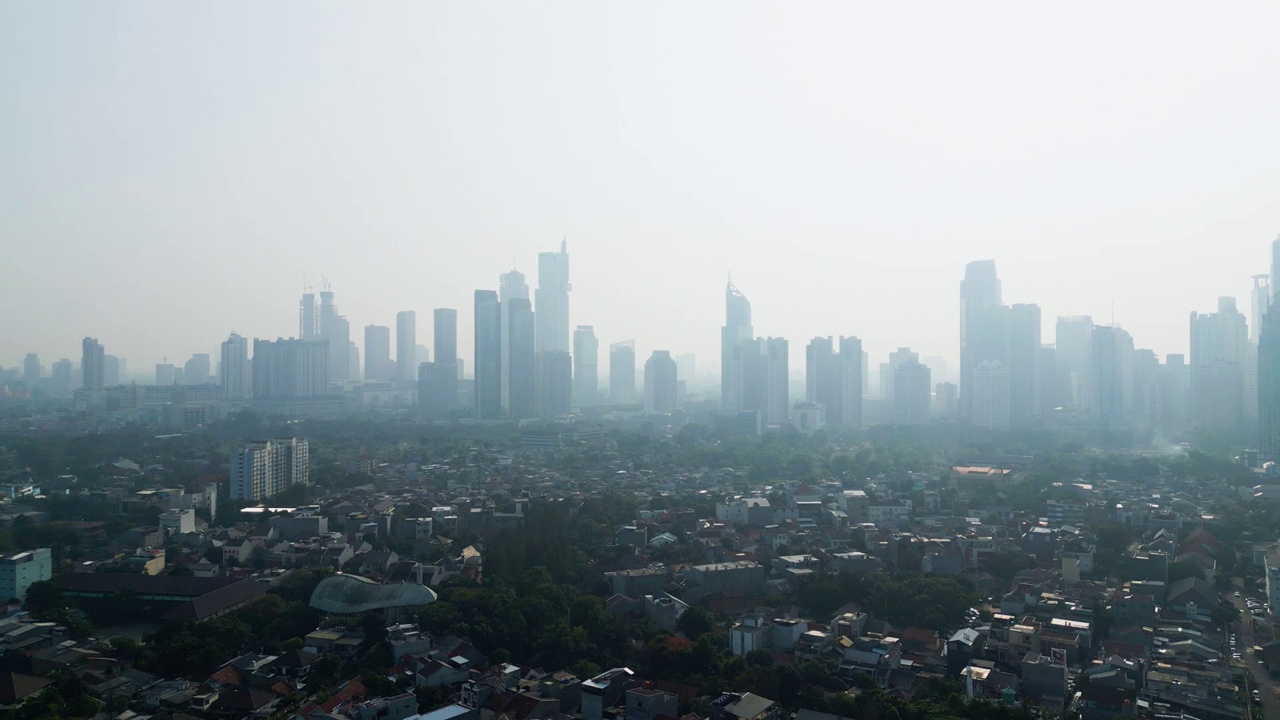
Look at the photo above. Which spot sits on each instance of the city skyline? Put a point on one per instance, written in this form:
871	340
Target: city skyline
818	157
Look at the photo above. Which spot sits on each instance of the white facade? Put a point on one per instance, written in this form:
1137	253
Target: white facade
269	467
991	395
19	570
178	521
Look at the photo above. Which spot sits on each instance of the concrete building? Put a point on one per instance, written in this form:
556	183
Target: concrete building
909	389
660	382
990	399
983	328
407	362
290	369
234	369
268	467
377	353
834	379
92	367
19	570
487	361
622	372
586	357
736	330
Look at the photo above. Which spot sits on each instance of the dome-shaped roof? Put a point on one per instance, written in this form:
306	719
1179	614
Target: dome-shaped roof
351	594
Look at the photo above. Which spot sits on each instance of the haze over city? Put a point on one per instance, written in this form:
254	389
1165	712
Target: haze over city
172	173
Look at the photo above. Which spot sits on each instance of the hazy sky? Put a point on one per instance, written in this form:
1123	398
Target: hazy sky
170	171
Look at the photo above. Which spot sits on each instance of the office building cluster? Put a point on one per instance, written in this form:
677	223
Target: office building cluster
529	361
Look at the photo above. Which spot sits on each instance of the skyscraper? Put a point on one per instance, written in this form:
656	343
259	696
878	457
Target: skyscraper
1074	343
833	379
1112	377
1269	366
586	356
1261	303
912	389
982	326
1175	387
764	378
308	319
165	374
511	287
522	367
445	378
660	382
736	329
196	370
488	355
31	369
552	298
92	368
377	352
622	372
991	400
289	369
554	384
551	336
234	368
111	370
406	346
336	329
1025	355
60	376
1219	351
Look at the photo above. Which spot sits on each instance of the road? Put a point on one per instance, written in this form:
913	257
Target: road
1261	678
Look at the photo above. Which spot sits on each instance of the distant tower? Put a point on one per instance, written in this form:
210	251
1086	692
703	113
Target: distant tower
196	370
737	328
234	368
1025	355
833	379
552	301
406	345
586	356
31	369
912	389
92	367
511	287
622	372
444	381
982	326
660	382
1219	359
377	352
487	360
1074	357
336	329
308	318
1113	356
521	379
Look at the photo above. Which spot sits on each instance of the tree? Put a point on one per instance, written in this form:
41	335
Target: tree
694	623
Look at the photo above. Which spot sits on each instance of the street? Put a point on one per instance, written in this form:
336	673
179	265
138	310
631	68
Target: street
1261	678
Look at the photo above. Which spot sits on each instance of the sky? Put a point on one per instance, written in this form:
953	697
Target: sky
172	171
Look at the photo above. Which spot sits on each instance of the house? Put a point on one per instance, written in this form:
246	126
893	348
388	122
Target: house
1193	592
17	687
742	706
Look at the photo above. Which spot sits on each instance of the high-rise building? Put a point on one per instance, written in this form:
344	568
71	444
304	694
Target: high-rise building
522	367
1074	343
889	369
235	369
1219	351
687	366
31	369
377	353
1269	367
336	329
622	372
982	326
1025	355
111	370
511	287
991	395
406	346
833	379
165	374
1147	401
269	467
764	379
1175	387
60	376
555	384
308	318
92	366
660	381
488	355
737	328
18	571
1112	377
552	298
196	370
912	385
1261	303
290	369
446	350
946	400
586	356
